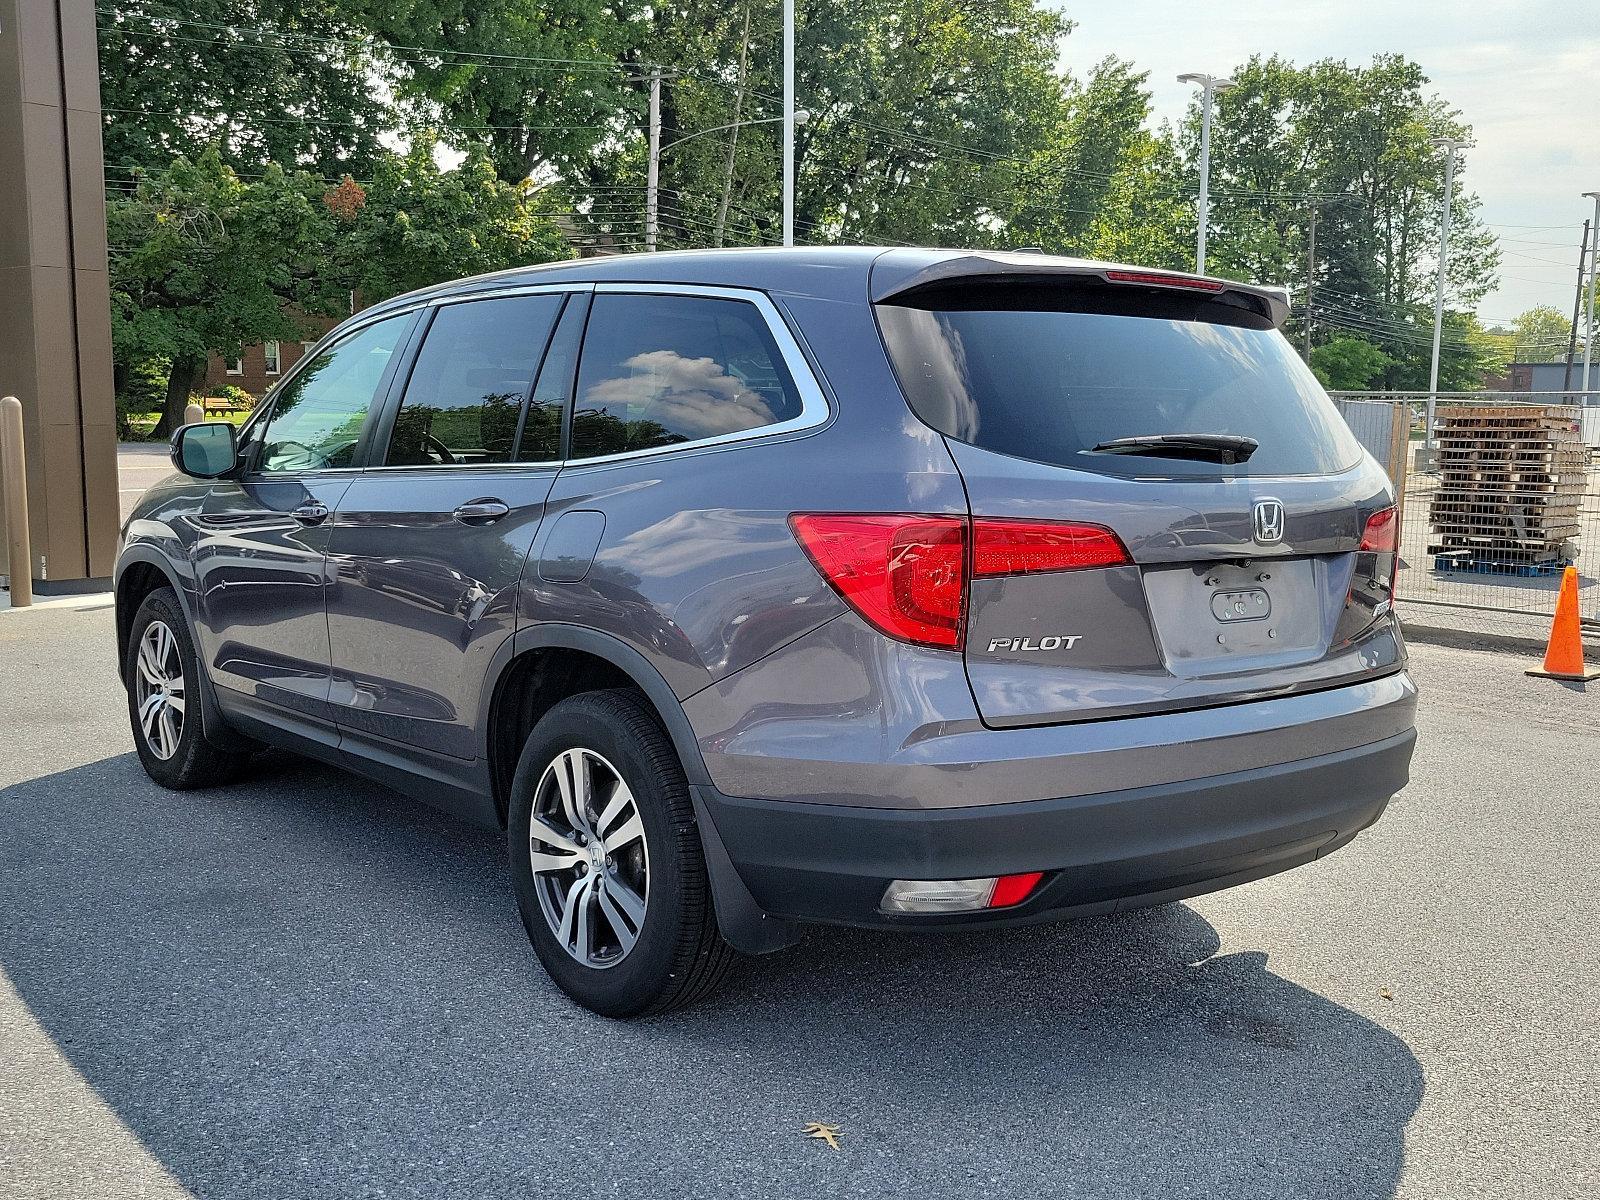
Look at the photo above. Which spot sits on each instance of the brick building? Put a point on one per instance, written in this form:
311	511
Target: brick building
258	367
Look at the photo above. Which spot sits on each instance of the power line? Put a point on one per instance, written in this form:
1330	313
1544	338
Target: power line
369	44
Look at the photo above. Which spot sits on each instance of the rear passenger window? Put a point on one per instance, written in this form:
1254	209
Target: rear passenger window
660	370
464	401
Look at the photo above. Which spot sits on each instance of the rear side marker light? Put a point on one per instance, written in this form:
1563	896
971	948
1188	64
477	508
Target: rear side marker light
1187	282
958	895
907	573
1014	889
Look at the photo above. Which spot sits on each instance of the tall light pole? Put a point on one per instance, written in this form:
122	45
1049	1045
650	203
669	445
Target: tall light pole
1588	327
1449	146
653	175
1210	85
653	172
788	122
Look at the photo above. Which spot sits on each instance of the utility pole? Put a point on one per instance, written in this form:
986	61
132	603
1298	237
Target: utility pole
788	122
1577	308
1210	85
1311	274
653	174
1588	327
1449	146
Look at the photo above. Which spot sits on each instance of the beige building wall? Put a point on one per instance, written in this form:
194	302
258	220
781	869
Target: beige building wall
55	317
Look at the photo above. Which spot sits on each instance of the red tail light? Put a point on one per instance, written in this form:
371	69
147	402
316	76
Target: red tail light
1382	533
907	573
1002	547
1381	536
1189	282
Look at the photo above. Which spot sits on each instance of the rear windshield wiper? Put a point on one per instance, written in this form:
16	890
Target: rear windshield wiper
1227	448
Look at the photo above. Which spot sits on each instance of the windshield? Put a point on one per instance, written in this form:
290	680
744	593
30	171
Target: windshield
1051	384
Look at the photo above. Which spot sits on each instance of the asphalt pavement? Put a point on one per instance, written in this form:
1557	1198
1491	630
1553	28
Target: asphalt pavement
307	986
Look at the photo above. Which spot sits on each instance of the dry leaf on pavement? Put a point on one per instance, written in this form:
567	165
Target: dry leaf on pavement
823	1132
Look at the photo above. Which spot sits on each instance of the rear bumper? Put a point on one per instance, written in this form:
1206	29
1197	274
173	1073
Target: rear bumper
1101	853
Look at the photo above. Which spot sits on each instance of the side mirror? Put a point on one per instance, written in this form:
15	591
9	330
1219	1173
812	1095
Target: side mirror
206	450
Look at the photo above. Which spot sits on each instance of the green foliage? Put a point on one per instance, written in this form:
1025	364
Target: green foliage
1539	335
141	388
517	77
1348	364
287	83
418	225
932	122
203	262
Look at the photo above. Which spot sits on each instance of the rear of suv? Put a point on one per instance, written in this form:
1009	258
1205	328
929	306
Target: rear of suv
750	589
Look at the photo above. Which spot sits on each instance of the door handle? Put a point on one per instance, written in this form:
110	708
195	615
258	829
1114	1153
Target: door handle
481	512
312	514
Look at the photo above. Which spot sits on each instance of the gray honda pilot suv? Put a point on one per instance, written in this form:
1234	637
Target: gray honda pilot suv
902	588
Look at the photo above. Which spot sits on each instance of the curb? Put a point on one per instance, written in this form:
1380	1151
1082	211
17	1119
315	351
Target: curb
1465	639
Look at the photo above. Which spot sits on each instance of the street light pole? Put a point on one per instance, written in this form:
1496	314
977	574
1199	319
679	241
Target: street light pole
1588	326
653	172
1449	146
1210	85
1311	275
788	122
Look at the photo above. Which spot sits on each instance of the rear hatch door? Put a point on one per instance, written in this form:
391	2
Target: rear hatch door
1249	571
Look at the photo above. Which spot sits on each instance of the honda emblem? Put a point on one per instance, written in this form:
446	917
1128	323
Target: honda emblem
1269	522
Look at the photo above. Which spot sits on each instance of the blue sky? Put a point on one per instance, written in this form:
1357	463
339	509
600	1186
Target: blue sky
1524	73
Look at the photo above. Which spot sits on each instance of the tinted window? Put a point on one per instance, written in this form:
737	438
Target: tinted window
658	370
541	428
317	418
464	399
1050	385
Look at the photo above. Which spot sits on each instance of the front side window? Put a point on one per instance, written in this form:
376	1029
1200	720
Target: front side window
317	418
465	397
658	370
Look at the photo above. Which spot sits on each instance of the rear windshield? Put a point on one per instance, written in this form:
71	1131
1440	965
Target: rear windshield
1048	374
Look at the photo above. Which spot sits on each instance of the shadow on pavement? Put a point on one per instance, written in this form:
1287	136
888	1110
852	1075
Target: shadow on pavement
307	986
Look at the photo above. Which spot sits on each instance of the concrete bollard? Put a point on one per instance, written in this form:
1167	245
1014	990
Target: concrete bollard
194	413
14	479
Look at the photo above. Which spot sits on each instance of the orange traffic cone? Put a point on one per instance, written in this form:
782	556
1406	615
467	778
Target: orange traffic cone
1563	659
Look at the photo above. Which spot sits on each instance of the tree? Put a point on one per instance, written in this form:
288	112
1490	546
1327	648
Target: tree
1540	335
1102	184
1348	364
543	85
925	114
418	224
289	83
203	261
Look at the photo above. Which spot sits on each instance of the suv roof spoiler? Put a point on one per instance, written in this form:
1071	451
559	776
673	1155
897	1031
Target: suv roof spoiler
1008	267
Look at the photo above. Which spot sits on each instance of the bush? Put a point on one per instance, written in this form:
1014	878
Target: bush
143	391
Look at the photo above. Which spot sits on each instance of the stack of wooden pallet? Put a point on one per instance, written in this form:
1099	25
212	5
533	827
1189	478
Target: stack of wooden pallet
1511	479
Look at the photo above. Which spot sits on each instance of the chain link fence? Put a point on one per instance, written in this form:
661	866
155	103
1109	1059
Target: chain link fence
1511	498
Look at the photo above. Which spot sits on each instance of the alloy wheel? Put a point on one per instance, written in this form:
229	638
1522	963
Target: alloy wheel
591	868
159	690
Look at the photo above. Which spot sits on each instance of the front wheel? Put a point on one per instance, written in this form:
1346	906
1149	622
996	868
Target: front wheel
606	860
164	700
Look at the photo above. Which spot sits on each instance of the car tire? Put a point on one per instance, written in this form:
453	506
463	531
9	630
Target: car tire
162	674
612	889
